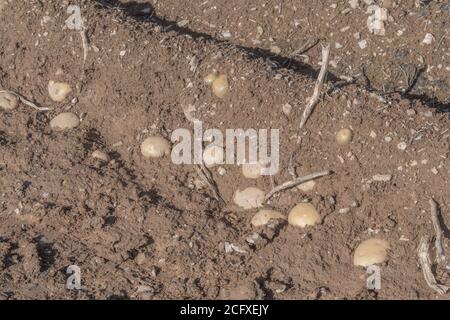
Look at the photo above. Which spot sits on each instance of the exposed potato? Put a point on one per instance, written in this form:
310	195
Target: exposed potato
155	147
8	101
65	121
371	251
304	214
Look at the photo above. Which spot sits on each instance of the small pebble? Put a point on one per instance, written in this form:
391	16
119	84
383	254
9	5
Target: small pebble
402	146
382	177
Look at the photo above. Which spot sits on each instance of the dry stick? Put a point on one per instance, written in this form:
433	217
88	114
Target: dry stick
310	43
425	263
319	84
84	41
295	182
440	255
25	101
206	175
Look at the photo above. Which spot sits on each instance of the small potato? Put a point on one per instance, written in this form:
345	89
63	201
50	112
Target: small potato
371	251
303	215
209	79
344	136
155	147
220	86
58	91
262	217
8	101
249	198
65	121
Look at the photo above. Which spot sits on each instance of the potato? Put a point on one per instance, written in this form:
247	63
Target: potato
262	217
209	79
249	198
58	91
65	121
344	136
220	86
8	101
371	251
155	147
303	214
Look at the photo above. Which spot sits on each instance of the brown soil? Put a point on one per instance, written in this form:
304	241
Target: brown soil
146	229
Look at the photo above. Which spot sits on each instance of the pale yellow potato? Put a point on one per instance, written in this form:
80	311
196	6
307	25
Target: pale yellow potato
8	101
262	217
58	91
220	86
155	147
371	251
65	121
344	136
209	79
303	215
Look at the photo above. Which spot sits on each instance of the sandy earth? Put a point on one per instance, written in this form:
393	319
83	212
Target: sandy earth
150	229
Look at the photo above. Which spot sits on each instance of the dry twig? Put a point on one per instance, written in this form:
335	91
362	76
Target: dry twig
25	101
206	175
295	182
440	255
318	88
425	263
309	44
